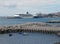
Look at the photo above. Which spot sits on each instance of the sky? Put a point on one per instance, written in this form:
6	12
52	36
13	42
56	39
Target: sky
12	7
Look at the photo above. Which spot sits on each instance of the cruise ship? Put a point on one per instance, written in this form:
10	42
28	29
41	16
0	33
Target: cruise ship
27	15
17	16
14	17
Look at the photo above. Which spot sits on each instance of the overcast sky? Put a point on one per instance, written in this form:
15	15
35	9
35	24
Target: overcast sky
12	7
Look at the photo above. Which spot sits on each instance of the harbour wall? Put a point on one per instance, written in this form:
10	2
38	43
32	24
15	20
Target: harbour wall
30	27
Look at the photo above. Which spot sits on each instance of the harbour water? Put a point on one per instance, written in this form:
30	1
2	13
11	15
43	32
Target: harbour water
31	38
4	21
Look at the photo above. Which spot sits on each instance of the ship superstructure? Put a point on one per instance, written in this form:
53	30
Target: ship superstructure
27	15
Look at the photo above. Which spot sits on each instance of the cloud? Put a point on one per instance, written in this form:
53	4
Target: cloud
22	3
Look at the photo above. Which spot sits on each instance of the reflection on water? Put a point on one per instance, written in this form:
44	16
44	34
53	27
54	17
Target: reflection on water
31	38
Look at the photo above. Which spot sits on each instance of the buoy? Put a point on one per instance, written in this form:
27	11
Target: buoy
10	34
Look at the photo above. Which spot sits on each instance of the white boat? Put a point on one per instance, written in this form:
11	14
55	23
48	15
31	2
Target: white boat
27	15
24	34
18	16
14	17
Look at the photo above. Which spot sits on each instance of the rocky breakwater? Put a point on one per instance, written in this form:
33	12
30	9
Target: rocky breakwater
53	21
30	27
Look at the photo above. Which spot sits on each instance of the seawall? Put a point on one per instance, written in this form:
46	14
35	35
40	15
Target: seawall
30	27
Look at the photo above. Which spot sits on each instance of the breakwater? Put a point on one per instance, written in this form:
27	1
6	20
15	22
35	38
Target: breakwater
30	27
53	21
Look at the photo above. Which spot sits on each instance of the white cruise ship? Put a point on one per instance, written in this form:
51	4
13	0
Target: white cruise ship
27	15
19	16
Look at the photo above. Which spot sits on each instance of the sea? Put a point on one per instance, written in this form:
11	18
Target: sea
31	37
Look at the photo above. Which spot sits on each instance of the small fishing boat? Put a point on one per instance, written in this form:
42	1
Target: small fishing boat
24	34
20	32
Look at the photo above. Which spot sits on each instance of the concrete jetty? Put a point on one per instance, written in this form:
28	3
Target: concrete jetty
30	27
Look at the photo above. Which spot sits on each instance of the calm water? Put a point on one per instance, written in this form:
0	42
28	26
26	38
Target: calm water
31	38
19	21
